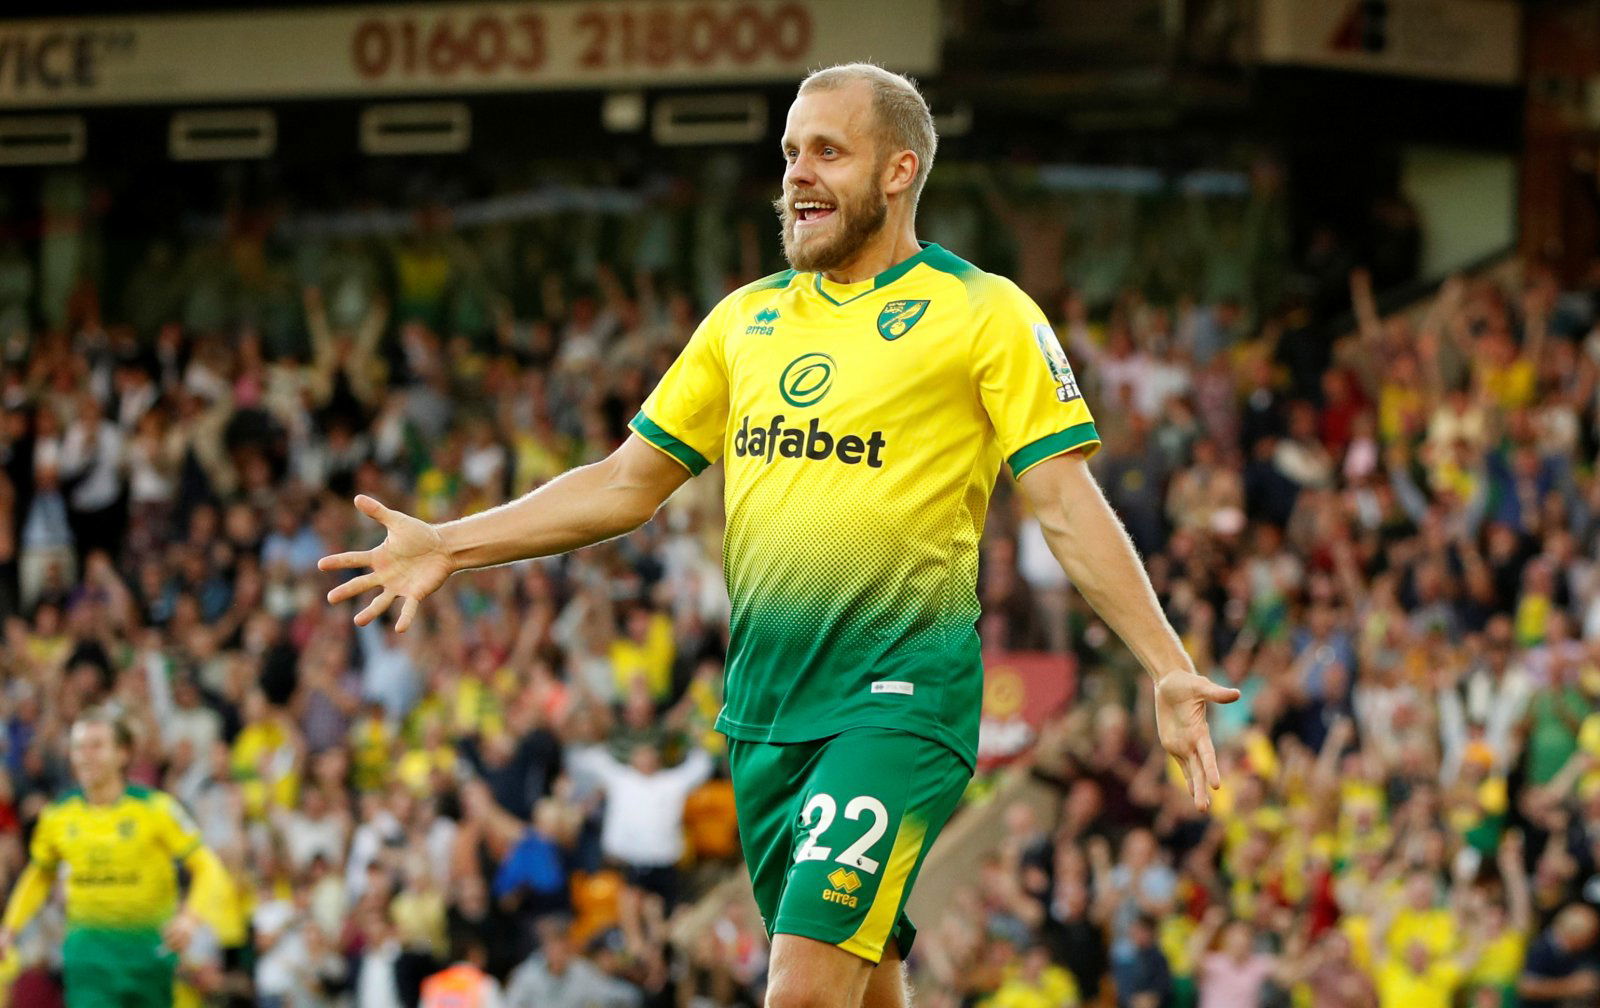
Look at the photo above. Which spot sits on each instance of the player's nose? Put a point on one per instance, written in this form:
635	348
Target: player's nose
798	175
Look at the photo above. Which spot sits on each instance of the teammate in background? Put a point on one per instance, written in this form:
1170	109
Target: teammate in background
121	845
863	403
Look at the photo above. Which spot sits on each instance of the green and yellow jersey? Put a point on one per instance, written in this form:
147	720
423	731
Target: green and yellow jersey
121	863
862	427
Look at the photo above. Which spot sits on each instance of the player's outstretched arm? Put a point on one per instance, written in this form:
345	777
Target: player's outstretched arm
1094	550
208	883
581	507
33	888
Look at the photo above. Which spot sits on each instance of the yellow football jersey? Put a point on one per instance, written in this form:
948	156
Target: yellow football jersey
862	427
120	858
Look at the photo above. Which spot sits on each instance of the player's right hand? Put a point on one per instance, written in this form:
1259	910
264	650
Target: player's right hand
410	564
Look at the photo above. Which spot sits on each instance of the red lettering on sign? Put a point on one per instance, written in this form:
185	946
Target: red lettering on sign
594	24
791	31
530	32
745	34
604	36
371	47
700	35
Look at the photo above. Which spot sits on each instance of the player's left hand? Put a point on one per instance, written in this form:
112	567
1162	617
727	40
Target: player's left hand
178	932
1181	699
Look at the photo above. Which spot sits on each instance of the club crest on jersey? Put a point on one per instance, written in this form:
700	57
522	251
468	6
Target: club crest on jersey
1056	359
898	317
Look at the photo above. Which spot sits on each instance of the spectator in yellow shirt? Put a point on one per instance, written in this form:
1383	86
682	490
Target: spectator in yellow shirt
1420	920
645	651
1035	982
1505	926
1418	977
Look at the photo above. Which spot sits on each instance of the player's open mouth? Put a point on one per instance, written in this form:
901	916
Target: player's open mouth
812	211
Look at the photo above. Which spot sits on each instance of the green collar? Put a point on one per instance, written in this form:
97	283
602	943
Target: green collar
849	292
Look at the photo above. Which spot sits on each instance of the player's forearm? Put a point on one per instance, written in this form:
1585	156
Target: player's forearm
587	505
1093	548
208	880
33	888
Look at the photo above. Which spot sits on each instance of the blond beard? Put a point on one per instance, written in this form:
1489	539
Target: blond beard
856	228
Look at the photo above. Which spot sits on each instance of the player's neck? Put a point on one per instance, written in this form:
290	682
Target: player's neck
889	248
106	792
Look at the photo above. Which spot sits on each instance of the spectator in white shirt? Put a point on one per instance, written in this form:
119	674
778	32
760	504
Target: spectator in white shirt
315	828
91	470
642	827
189	719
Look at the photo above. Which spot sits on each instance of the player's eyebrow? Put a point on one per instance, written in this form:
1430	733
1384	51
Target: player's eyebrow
818	139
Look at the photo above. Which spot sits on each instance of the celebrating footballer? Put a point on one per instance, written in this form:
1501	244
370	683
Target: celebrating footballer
863	403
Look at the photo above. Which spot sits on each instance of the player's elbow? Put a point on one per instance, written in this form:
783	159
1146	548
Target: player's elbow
621	502
634	481
632	508
1051	514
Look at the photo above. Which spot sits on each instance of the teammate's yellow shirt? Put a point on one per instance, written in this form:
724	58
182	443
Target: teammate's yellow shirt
120	858
862	427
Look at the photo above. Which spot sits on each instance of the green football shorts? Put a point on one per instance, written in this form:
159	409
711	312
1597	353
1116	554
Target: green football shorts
103	967
835	830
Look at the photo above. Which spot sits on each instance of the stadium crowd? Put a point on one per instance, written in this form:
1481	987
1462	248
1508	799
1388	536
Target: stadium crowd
1386	543
1398	572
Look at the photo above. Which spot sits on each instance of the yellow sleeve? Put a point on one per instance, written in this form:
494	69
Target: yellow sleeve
208	881
687	415
1589	735
178	833
33	887
1024	380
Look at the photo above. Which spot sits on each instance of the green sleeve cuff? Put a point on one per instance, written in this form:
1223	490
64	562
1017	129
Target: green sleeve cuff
652	432
1077	436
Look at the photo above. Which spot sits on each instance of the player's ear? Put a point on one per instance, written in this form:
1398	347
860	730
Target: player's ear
899	171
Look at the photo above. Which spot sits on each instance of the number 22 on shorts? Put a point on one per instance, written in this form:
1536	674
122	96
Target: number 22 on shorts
819	814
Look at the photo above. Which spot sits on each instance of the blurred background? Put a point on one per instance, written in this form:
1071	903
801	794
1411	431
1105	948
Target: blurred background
1327	268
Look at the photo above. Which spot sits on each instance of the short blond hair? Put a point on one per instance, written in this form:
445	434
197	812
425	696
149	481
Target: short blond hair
121	732
903	118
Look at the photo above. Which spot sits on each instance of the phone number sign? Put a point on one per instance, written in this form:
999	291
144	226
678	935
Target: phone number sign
458	47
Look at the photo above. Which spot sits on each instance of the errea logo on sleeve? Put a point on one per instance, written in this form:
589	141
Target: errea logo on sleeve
1056	360
762	324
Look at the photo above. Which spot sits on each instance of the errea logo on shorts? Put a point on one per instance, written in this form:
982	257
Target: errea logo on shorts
844	881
